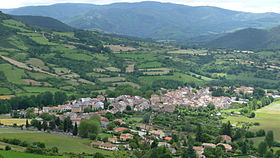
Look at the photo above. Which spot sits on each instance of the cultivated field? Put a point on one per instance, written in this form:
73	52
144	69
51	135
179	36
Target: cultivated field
268	117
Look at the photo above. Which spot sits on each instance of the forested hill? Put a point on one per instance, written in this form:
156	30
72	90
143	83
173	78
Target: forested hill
154	20
85	63
45	22
249	39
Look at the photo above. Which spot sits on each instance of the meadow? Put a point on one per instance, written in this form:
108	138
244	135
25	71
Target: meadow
176	76
268	117
64	144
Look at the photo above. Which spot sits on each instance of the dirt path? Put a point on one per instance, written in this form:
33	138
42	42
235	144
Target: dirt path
24	66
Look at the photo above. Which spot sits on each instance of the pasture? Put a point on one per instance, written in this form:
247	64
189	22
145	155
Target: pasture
13	74
77	56
5	91
64	143
268	117
112	79
176	76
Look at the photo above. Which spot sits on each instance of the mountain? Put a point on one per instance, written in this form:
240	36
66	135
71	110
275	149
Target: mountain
159	21
249	39
45	22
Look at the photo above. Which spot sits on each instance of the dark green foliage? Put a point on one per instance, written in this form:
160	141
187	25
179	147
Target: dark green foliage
249	39
98	155
8	147
262	148
45	22
75	130
269	138
189	152
89	126
226	129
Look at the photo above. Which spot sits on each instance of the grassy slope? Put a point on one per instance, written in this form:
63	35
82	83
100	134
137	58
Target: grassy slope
268	117
65	144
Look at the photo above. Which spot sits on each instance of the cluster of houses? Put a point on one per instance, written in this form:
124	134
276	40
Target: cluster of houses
225	139
86	107
188	97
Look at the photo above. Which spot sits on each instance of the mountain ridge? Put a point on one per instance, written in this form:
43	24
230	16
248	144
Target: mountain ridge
156	20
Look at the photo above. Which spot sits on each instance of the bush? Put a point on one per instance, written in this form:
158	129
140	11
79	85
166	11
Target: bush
260	133
92	136
250	134
8	147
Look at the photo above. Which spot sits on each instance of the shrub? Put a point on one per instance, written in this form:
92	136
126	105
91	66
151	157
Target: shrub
8	147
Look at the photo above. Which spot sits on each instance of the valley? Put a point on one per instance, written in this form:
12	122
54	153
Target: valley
138	80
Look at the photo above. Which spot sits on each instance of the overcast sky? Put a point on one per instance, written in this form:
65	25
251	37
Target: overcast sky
241	5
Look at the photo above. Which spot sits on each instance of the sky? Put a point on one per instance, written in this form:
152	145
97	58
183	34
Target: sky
256	6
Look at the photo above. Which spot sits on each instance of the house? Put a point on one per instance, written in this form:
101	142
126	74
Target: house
208	145
121	122
226	138
120	129
113	140
102	145
199	150
157	133
108	146
168	138
126	136
227	147
164	144
104	122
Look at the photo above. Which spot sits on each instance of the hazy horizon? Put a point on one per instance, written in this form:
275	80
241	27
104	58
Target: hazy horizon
256	6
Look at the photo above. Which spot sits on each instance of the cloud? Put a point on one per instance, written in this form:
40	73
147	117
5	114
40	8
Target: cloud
241	5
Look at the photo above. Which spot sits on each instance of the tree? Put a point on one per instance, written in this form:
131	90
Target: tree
26	124
244	148
262	148
89	126
45	125
146	118
52	125
60	98
198	135
154	144
98	155
75	130
8	147
268	154
39	126
189	152
226	129
269	139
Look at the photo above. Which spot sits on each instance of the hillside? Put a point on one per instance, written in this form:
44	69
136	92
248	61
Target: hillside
249	39
85	63
160	21
45	22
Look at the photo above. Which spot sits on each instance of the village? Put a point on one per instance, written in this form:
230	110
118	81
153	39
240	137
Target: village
166	101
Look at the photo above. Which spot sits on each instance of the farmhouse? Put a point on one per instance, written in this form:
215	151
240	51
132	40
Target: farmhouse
126	136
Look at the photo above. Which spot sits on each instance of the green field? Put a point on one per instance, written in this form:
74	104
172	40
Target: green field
112	79
13	74
40	89
150	65
64	144
143	57
77	56
176	76
5	91
268	117
14	154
